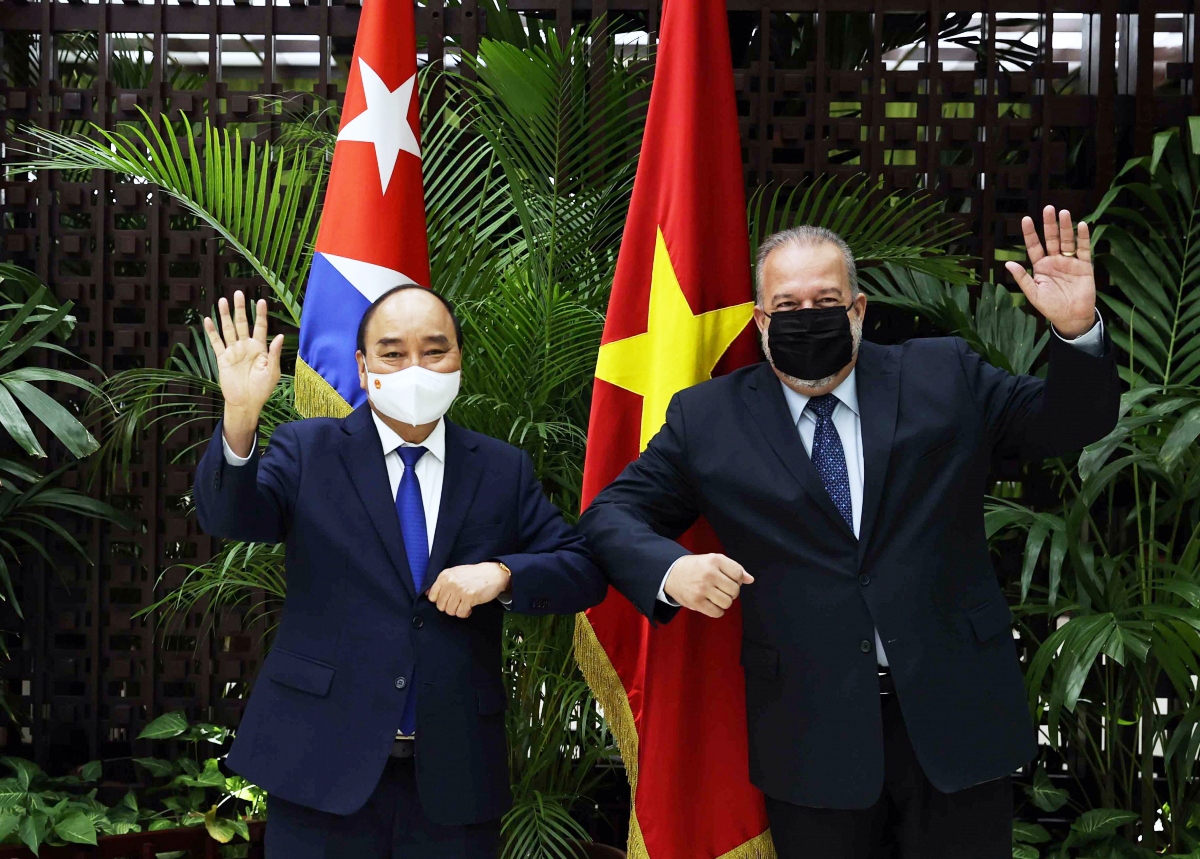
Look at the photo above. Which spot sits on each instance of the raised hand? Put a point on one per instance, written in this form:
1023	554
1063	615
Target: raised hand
1063	285
248	368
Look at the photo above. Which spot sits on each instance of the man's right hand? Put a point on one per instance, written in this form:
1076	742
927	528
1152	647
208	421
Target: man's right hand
248	369
706	583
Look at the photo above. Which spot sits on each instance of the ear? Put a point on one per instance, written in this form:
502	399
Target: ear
362	369
860	305
761	319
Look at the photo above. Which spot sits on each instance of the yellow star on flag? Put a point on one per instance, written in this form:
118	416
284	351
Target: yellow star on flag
678	350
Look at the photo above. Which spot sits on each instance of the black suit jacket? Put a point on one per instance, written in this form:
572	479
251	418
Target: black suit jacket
320	722
932	414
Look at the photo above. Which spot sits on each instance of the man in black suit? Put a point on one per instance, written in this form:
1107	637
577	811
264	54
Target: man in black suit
376	723
845	481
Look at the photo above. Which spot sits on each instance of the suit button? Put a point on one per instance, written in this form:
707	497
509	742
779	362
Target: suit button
401	682
418	622
865	647
864	580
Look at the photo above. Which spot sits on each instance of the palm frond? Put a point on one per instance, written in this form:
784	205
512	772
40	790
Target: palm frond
26	325
995	322
32	507
259	197
908	231
1148	239
565	133
531	349
241	575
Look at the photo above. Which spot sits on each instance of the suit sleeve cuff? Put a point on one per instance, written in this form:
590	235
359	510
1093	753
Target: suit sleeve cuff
662	589
232	458
1090	342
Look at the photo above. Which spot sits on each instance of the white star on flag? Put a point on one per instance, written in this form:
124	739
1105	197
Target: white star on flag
385	121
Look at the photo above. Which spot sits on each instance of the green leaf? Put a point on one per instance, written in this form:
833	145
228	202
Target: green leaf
29	833
1044	794
90	771
11	792
64	425
8	824
27	771
211	775
1182	436
1101	822
221	830
1030	833
156	766
165	727
76	828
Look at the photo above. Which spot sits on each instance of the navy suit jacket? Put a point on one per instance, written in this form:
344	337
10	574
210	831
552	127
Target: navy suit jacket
320	722
932	413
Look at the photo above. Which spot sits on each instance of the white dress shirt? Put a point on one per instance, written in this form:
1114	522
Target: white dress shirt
846	420
430	468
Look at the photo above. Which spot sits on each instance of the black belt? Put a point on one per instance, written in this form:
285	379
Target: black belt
403	748
887	686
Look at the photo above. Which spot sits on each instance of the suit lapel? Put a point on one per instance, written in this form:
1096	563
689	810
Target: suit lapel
461	479
764	397
362	455
878	380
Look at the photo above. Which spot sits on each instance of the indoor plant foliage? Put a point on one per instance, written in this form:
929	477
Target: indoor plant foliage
36	810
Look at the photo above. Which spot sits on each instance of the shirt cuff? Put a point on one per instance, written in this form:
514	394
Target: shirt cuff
662	589
232	458
1091	341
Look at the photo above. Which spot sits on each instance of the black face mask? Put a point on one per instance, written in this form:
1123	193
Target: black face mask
810	344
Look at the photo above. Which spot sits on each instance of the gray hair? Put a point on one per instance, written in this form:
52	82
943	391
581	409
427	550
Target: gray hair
804	237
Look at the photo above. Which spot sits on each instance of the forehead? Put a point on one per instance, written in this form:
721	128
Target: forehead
804	272
410	313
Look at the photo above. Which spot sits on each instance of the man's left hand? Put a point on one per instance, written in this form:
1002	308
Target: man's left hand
1063	285
459	589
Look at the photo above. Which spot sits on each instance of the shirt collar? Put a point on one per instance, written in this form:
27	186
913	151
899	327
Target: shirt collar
435	443
846	392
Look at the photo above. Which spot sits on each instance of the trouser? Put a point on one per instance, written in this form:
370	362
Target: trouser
911	820
391	825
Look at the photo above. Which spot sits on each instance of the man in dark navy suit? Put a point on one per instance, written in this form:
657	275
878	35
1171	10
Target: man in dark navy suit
376	723
845	480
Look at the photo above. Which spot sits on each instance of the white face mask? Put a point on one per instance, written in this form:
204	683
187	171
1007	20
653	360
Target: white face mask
413	395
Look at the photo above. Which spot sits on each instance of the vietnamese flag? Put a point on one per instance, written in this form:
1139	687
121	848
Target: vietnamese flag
680	311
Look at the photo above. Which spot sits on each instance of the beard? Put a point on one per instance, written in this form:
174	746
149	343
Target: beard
856	328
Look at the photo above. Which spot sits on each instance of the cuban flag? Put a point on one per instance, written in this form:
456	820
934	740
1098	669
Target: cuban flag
372	232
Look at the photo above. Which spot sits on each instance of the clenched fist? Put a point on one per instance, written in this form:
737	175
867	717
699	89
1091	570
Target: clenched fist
459	589
706	583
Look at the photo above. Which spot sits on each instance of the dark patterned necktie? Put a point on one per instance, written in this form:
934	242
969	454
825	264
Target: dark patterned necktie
411	510
829	456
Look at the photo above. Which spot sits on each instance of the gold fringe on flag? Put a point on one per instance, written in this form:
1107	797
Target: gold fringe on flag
606	684
316	398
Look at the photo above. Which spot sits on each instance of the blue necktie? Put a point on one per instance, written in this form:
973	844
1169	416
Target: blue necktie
829	456
411	510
